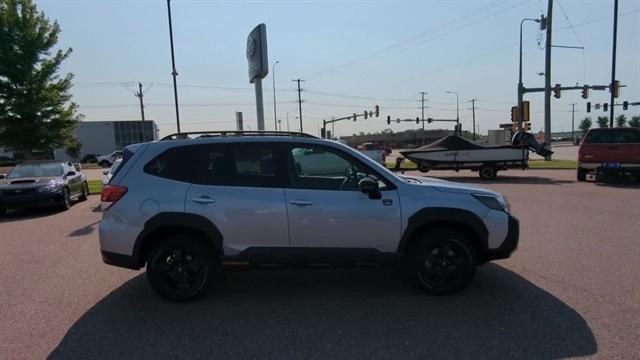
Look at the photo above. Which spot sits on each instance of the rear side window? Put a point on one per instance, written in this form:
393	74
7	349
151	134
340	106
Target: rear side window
255	165
615	136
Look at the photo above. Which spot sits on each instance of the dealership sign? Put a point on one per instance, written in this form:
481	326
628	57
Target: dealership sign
257	53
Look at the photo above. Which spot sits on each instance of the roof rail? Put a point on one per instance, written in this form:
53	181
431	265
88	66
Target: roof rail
223	133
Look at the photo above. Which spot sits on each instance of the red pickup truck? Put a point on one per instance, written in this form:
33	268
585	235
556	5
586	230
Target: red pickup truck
609	150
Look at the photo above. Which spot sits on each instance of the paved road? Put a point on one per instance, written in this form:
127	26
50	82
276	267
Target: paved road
570	290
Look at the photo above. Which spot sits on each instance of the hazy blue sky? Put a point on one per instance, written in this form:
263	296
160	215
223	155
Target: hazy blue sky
353	54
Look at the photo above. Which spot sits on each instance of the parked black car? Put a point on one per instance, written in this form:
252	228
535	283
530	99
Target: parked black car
45	183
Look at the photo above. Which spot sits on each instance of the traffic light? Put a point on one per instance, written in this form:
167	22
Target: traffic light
355	116
605	107
527	126
625	105
525	111
514	114
370	113
366	114
556	91
597	106
429	120
417	120
377	110
585	92
398	120
616	88
589	106
388	119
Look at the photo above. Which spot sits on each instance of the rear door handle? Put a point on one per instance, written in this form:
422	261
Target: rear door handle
203	200
300	202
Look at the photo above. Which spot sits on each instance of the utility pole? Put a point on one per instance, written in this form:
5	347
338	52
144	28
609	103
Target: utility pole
613	60
473	111
573	112
140	95
547	79
173	65
423	137
273	77
299	101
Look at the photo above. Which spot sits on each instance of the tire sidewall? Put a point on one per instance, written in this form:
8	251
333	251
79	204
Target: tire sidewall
488	173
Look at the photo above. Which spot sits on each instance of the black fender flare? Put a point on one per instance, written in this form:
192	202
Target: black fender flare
444	215
177	220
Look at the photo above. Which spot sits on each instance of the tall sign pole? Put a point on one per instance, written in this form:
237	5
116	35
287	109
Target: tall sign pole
547	80
613	61
174	73
258	66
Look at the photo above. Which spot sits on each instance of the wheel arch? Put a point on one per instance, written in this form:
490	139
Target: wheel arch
461	220
165	223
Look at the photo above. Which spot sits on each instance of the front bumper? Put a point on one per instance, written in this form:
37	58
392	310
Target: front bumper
30	198
510	243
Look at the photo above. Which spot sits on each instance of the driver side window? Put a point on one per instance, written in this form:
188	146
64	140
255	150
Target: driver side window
322	168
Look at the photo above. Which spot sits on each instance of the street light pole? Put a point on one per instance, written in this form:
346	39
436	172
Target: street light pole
173	65
457	108
520	85
273	77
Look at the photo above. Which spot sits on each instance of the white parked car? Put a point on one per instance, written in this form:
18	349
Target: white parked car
108	174
109	159
376	152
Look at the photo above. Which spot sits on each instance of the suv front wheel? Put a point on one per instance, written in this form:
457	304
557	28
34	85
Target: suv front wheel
181	267
442	261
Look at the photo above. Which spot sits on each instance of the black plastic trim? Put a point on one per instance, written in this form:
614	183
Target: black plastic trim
120	260
509	245
173	220
310	255
436	215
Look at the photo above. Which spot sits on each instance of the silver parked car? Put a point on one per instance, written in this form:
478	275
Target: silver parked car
182	206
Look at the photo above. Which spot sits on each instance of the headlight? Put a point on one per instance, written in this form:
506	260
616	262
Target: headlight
493	202
48	188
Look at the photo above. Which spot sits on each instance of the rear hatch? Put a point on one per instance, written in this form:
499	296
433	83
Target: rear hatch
616	145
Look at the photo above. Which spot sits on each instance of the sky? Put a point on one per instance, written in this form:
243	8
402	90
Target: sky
353	55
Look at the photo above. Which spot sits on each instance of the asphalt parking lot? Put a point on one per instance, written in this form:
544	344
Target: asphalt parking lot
571	290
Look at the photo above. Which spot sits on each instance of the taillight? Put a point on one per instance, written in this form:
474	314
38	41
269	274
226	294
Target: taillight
113	193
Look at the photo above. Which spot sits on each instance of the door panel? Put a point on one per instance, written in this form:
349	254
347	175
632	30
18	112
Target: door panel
343	219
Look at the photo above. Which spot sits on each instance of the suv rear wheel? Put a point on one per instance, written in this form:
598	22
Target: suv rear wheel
442	261
582	174
181	267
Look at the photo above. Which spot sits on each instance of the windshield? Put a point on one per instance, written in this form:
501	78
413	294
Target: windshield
620	136
35	170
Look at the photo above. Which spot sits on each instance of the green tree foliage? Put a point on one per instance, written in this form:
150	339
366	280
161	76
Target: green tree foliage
603	121
36	111
585	125
621	120
73	148
635	121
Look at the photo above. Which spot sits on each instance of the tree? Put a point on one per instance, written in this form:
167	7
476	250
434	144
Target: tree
585	125
635	121
73	148
621	120
603	121
36	111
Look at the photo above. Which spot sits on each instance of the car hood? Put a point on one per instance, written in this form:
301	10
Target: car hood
447	186
26	183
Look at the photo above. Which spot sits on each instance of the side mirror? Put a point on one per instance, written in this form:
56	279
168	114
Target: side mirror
77	166
105	172
71	173
370	186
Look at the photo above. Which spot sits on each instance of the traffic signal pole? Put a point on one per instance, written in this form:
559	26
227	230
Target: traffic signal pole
547	79
613	59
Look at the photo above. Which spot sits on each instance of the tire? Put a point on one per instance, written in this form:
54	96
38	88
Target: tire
581	174
3	211
181	267
85	192
488	172
437	274
423	168
66	200
104	163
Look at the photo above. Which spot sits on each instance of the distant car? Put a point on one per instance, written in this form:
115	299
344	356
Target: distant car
609	150
109	159
45	183
376	152
89	158
108	174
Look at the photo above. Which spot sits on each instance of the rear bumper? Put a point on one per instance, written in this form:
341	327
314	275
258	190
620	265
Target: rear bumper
510	243
598	166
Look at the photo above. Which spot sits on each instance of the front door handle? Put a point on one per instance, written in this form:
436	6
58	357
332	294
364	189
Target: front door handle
300	203
203	200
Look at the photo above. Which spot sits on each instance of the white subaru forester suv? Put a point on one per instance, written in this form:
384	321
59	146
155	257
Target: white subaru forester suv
184	205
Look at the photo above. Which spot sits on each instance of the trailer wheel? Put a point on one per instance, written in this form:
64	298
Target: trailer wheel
423	168
488	172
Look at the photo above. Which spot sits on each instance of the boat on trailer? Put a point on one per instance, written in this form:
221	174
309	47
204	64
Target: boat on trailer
454	152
